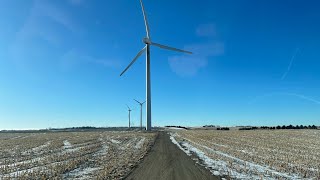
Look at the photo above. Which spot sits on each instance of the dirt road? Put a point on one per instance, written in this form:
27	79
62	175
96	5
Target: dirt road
166	161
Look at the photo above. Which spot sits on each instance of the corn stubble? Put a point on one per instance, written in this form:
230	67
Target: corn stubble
277	154
93	155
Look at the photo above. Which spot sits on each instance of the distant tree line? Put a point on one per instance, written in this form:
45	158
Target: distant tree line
280	127
224	128
177	127
76	128
297	127
209	126
248	128
84	127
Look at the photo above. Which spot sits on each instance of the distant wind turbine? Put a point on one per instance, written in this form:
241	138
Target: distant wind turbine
129	110
148	42
141	104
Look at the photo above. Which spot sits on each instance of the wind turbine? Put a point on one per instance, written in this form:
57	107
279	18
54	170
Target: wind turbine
141	104
148	42
129	110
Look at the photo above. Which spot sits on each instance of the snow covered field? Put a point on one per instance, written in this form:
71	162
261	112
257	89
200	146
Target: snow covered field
262	154
71	155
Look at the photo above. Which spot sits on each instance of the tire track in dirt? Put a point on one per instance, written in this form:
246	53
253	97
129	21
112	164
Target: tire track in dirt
166	161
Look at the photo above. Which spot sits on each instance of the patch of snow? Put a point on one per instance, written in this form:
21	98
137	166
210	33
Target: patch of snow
103	151
130	142
17	173
173	140
127	144
219	167
216	173
15	137
23	162
66	144
251	166
37	149
115	141
139	143
81	173
175	128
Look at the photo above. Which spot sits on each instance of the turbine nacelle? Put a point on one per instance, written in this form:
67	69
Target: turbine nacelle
146	40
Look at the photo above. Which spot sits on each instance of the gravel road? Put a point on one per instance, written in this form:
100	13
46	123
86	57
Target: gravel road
166	161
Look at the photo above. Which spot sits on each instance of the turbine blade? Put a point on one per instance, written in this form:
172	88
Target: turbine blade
134	60
145	19
137	101
144	102
170	48
128	107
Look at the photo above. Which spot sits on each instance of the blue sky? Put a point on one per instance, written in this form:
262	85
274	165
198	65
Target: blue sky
254	62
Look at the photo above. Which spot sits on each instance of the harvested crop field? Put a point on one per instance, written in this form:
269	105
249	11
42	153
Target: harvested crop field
261	154
72	155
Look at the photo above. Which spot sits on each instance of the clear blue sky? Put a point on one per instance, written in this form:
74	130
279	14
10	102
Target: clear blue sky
254	62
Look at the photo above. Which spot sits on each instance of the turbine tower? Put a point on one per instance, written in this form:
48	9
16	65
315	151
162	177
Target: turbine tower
141	104
147	41
129	110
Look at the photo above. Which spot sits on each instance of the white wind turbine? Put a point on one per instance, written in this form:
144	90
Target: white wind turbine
148	42
141	104
129	110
